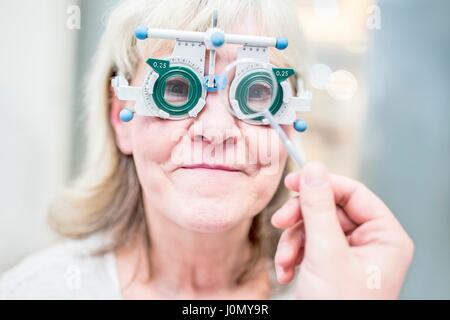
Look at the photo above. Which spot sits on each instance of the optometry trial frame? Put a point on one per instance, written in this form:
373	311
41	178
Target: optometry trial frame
176	86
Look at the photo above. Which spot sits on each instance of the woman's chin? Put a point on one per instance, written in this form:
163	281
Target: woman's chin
208	216
207	183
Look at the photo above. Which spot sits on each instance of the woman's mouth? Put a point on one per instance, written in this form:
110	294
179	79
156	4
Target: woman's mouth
216	167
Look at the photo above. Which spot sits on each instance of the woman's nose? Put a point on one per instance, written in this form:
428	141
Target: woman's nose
215	124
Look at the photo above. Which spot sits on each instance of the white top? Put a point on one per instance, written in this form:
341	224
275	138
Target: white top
70	271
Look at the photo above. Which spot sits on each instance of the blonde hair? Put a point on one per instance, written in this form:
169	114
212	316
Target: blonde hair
107	196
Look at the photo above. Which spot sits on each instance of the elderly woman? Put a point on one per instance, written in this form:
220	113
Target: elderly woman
144	226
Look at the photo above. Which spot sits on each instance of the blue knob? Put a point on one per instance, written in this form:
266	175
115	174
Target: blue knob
282	43
300	125
217	39
141	32
126	115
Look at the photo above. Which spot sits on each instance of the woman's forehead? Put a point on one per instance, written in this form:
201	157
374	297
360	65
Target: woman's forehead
226	54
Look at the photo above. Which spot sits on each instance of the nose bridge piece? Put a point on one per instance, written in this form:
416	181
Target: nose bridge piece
219	82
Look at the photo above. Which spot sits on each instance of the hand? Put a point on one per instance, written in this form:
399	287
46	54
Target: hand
346	241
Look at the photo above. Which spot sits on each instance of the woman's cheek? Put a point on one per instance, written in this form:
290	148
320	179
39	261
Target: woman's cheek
272	158
266	147
154	139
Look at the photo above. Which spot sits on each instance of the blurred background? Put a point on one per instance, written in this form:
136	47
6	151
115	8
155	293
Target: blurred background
381	85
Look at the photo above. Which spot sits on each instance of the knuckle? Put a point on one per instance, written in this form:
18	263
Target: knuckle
410	246
407	247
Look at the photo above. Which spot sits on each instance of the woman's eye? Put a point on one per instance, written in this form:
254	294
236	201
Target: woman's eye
177	88
177	91
259	92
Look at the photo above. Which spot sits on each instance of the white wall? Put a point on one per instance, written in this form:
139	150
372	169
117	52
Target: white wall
37	66
407	136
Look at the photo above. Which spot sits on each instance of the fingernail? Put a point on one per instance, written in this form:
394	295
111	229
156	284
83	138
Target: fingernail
314	175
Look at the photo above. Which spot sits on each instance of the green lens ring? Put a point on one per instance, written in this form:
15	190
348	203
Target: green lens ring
244	85
195	91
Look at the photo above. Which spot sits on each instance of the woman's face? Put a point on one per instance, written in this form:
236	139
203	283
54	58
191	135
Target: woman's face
207	173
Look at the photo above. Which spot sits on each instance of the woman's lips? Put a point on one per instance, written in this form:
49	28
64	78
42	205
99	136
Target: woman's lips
213	167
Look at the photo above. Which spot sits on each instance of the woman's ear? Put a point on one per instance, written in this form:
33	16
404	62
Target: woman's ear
122	129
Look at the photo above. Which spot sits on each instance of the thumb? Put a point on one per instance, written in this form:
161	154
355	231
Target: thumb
324	234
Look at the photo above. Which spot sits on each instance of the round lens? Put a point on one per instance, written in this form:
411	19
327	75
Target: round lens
259	96
176	90
252	90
